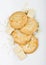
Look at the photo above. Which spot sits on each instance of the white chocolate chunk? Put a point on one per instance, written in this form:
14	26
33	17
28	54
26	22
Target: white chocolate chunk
19	52
31	13
9	29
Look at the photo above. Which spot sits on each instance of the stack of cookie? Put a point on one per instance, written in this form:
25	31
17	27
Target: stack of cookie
24	26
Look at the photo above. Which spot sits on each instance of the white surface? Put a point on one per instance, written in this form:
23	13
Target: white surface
7	56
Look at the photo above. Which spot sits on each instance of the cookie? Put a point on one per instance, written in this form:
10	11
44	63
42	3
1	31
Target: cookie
18	20
30	27
19	52
31	46
20	38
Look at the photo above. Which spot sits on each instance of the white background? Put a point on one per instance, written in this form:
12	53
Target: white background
7	56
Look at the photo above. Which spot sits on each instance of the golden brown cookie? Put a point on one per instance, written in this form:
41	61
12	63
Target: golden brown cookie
18	20
20	38
30	27
31	46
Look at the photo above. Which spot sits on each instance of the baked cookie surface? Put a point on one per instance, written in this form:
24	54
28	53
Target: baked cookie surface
18	20
20	38
30	27
31	46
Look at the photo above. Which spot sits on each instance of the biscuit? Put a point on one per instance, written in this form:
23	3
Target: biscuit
30	27
20	38
31	46
19	52
18	20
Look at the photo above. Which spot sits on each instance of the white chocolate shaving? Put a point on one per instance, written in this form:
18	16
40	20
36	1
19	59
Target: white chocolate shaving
19	52
9	29
31	13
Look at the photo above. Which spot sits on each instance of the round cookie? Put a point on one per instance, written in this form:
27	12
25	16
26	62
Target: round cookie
30	27
31	46
18	20
20	38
